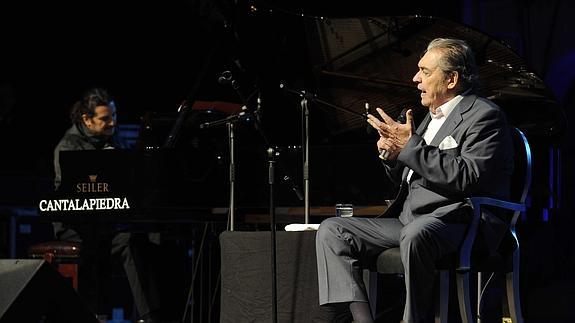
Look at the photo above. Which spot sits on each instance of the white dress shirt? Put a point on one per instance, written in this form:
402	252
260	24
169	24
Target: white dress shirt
437	120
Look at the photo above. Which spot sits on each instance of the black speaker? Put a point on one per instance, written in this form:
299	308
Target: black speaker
33	291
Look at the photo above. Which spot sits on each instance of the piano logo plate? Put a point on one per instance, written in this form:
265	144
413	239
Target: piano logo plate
93	186
88	204
93	200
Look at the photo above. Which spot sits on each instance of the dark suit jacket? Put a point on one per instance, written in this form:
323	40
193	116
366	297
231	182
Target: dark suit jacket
477	160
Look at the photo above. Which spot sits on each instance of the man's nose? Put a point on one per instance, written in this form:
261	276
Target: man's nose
416	77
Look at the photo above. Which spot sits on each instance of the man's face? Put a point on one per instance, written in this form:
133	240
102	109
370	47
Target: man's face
104	120
433	83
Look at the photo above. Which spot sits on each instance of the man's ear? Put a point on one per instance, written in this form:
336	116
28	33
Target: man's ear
86	119
452	80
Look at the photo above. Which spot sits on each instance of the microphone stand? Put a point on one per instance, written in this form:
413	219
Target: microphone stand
312	97
305	96
305	147
271	161
232	174
227	78
229	121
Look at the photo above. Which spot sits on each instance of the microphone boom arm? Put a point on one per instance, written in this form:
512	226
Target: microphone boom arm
312	97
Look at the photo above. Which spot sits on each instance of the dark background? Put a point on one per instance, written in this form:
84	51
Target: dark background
153	55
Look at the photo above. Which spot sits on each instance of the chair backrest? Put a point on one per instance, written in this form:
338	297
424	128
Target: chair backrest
521	177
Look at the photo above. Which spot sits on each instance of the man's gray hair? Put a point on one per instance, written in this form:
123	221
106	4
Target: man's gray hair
457	57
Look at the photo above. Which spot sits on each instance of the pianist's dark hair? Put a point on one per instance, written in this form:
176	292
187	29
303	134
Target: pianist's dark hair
457	57
87	104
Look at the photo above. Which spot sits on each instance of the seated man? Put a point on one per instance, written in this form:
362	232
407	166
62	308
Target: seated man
462	148
93	125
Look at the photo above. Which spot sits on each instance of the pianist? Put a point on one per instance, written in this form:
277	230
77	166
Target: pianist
460	149
93	123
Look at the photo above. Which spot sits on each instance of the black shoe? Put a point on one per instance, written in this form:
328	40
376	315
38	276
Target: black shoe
149	319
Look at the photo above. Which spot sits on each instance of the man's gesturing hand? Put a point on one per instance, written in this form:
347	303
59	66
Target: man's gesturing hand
393	135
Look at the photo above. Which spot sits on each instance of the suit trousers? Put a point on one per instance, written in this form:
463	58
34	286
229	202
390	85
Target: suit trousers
345	246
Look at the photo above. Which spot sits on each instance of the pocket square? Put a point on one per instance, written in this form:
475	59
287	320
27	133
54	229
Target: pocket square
448	143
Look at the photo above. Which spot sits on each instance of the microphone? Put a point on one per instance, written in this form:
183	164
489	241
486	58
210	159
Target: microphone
369	129
401	118
258	107
302	94
225	77
288	90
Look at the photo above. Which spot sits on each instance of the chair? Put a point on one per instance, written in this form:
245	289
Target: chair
468	261
63	255
389	263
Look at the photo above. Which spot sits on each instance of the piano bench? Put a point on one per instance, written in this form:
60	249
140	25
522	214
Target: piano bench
63	255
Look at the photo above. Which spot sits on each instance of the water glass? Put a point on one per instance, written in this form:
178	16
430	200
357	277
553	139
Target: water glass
343	210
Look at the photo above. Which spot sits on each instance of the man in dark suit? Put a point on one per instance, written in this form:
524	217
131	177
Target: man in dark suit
462	148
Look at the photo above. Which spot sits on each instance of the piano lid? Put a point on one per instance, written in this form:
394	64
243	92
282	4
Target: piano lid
373	60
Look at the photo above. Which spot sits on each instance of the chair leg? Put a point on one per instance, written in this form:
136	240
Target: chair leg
372	291
512	286
479	290
464	297
442	315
